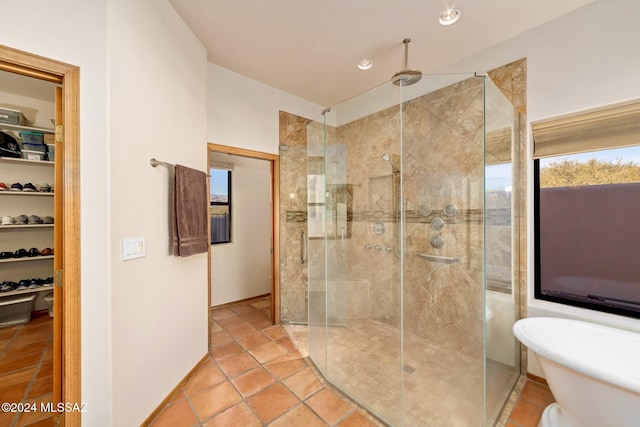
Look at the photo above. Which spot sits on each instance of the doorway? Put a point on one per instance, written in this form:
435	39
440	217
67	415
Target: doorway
66	227
274	166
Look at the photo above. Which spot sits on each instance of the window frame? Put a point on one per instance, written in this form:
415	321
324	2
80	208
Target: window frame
538	294
228	203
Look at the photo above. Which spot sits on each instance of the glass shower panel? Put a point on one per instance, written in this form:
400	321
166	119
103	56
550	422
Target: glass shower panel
315	251
442	164
501	166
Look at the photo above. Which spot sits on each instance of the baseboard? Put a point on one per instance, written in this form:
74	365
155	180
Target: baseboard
537	379
242	301
173	392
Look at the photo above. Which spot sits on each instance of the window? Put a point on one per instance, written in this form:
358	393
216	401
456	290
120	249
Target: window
220	201
498	186
587	211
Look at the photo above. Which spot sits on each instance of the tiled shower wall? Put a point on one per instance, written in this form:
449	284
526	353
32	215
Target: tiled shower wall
453	174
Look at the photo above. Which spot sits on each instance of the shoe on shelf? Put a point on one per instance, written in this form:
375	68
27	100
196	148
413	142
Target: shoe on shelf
23	284
46	252
29	187
20	253
48	281
45	188
16	187
35	283
21	220
3	187
33	252
5	255
47	220
35	219
7	220
8	286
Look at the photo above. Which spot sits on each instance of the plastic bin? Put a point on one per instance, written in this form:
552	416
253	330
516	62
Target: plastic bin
16	310
32	137
32	155
51	152
12	117
34	147
48	298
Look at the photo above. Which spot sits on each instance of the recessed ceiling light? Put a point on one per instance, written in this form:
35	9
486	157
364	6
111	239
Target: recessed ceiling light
449	16
365	64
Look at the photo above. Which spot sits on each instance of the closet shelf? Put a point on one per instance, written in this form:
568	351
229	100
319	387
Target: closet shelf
26	291
25	128
33	258
26	161
24	193
14	226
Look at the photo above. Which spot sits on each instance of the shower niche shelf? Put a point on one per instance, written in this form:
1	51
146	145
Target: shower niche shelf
437	259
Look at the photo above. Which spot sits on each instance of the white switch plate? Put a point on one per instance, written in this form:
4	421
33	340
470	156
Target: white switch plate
133	248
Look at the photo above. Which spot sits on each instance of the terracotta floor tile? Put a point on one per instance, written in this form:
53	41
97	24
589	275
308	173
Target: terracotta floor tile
285	365
356	419
13	394
526	414
221	314
214	400
16	377
219	338
222	351
203	379
26	347
230	322
261	324
253	381
20	361
234	366
286	343
180	395
46	370
253	340
511	424
265	352
303	383
8	333
537	394
255	316
45	422
301	415
41	386
272	402
6	418
240	329
27	418
275	332
236	416
178	414
329	406
243	309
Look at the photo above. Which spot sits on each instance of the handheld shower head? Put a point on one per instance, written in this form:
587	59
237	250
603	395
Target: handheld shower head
387	157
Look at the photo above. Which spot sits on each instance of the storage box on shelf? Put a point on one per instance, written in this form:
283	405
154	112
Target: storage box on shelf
16	310
12	117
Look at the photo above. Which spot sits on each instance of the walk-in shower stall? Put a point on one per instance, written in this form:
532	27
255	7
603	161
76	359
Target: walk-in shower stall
410	238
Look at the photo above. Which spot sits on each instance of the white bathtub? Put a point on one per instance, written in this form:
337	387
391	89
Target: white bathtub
593	371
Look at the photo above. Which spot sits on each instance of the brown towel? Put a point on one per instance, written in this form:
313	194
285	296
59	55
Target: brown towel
190	212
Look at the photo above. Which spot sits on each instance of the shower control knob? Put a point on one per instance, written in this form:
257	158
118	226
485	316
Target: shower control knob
389	249
378	248
367	246
437	242
437	224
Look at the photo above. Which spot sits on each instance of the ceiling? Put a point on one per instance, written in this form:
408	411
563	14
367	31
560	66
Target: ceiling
310	49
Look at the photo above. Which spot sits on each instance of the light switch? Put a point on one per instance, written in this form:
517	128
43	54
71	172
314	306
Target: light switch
133	248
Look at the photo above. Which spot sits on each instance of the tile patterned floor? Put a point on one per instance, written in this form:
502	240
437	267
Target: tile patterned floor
255	375
530	404
26	370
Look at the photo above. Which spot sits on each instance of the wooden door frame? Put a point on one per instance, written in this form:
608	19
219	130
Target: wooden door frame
274	160
68	159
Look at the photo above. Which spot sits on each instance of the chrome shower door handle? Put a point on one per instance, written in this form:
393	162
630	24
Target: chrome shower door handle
303	246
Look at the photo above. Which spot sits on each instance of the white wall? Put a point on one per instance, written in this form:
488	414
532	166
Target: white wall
245	113
157	108
581	60
242	269
74	31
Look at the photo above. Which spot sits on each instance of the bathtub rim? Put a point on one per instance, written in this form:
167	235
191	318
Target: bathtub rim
539	348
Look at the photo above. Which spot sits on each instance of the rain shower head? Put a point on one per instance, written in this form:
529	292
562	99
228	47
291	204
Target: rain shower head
387	157
406	77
